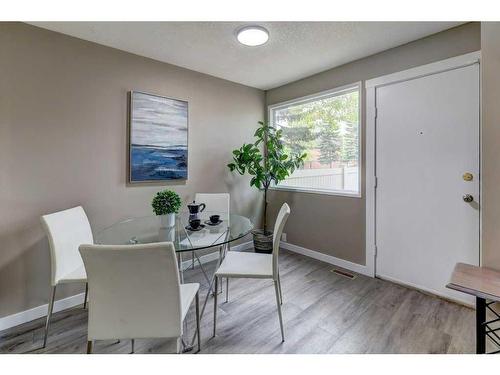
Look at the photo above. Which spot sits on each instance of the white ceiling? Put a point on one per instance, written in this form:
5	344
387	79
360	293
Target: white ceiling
295	49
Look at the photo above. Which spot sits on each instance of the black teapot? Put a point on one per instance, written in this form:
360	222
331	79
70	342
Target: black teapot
195	208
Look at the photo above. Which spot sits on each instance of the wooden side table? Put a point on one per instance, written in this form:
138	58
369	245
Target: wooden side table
484	284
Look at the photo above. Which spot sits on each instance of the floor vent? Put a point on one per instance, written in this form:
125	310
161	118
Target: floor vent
343	273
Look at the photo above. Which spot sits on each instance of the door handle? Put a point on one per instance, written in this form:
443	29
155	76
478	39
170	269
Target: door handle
468	198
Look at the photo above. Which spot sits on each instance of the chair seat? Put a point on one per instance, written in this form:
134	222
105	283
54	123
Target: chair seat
78	275
246	265
188	292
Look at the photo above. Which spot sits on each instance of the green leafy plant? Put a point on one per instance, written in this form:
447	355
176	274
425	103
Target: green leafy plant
265	160
166	202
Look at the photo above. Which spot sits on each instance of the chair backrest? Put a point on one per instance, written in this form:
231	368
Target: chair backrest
66	230
134	291
218	202
278	230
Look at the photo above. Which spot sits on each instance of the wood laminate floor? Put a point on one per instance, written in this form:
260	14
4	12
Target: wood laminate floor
323	313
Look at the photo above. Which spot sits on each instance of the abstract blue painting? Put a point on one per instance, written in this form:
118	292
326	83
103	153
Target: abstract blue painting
158	138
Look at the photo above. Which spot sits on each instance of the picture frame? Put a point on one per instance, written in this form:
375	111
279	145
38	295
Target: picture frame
157	138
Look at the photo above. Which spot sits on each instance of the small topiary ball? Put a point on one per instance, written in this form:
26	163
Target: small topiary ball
166	202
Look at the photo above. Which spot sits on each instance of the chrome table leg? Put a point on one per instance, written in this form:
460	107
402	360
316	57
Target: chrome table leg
215	306
198	319
209	292
202	269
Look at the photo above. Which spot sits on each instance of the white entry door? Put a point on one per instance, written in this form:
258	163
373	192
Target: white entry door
427	161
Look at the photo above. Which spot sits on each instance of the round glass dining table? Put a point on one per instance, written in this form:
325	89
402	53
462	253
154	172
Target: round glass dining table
148	229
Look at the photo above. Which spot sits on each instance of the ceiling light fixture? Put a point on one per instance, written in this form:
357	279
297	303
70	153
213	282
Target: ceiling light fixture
253	36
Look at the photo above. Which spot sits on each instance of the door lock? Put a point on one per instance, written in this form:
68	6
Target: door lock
467	176
468	198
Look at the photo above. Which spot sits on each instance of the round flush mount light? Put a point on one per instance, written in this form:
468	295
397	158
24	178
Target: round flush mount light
252	36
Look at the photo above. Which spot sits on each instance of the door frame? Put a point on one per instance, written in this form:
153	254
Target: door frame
370	136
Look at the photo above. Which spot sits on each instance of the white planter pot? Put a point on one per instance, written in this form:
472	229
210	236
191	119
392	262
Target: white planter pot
167	221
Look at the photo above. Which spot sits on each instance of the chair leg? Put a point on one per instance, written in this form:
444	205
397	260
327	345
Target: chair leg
279	285
215	303
276	288
49	314
221	256
133	346
227	289
86	295
89	347
198	319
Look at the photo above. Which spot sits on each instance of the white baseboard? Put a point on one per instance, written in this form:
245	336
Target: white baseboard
72	301
359	268
39	311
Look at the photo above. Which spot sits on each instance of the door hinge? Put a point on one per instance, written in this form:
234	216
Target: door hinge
375	250
376	182
376	112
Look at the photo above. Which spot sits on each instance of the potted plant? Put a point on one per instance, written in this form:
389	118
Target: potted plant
166	204
267	162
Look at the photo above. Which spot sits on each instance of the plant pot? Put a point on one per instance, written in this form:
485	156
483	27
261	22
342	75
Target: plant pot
262	241
167	221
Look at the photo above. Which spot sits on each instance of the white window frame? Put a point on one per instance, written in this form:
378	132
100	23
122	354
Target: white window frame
337	91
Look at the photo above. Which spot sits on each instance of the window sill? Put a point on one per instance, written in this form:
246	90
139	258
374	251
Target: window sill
321	192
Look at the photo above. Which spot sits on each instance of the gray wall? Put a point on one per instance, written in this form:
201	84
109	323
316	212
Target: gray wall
490	173
63	143
63	121
335	225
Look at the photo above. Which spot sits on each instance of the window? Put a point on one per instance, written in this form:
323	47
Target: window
326	127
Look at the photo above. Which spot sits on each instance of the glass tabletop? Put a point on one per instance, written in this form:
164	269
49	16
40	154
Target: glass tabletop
149	230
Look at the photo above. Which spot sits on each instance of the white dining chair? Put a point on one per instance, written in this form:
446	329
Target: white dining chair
135	292
218	202
66	230
256	266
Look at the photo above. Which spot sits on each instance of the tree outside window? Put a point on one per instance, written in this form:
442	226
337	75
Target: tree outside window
327	130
